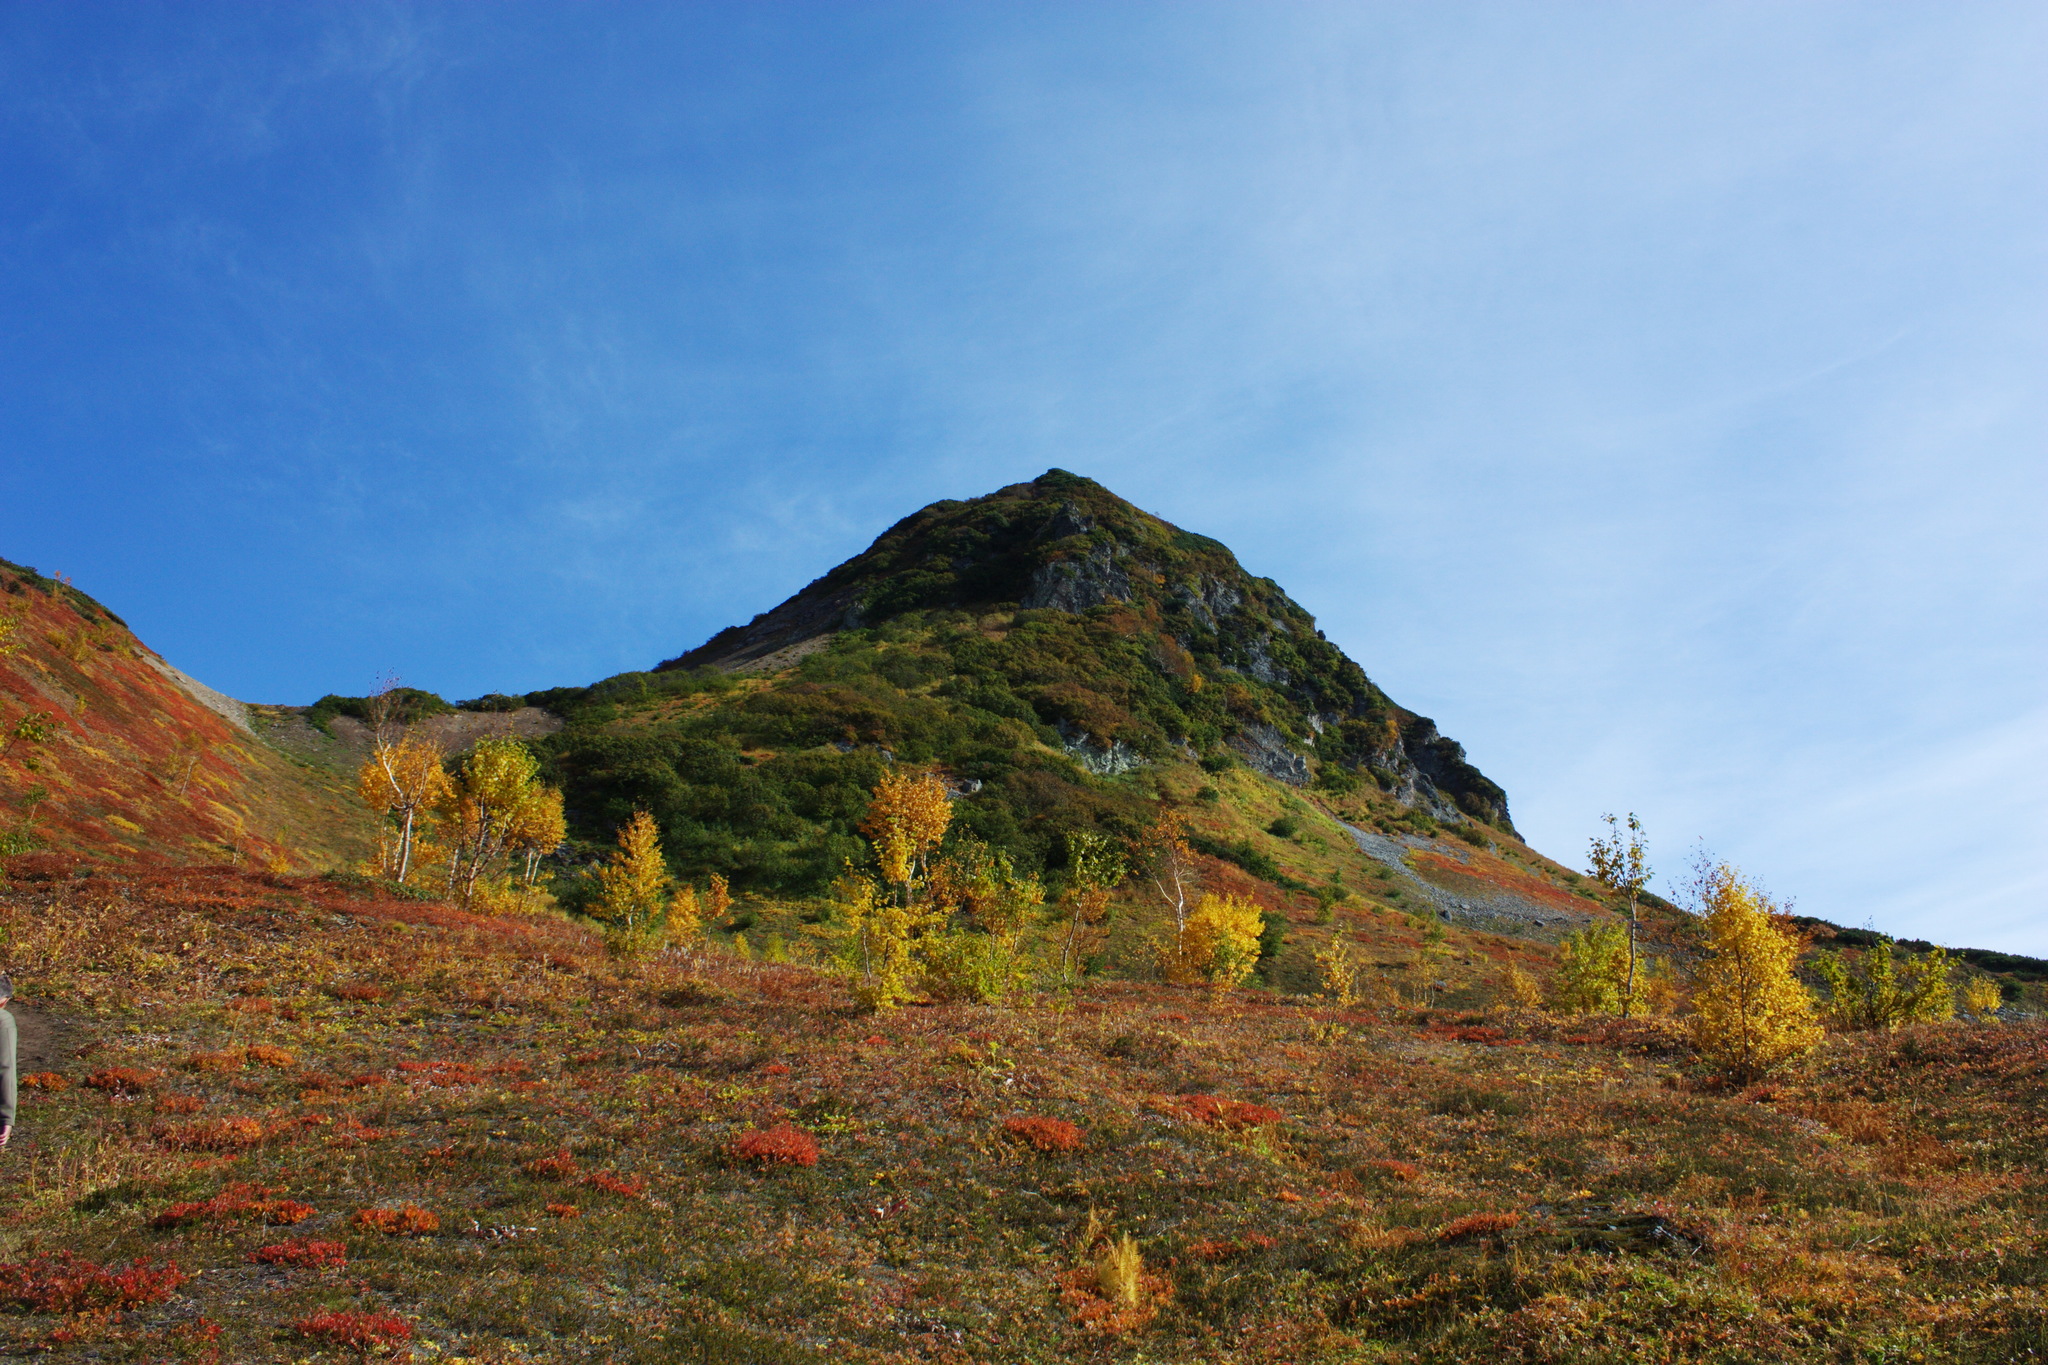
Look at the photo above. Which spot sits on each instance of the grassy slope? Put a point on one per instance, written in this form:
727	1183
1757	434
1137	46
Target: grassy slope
1884	1202
137	766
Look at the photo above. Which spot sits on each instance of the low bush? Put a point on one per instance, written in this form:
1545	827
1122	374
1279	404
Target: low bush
782	1145
1047	1135
407	1220
212	1135
560	1166
307	1255
235	1203
361	1332
1228	1113
64	1283
123	1080
631	1187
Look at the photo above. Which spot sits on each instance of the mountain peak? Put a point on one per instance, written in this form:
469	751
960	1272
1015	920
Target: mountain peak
1292	704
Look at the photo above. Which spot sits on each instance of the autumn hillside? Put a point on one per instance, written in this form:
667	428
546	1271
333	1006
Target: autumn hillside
106	747
275	1118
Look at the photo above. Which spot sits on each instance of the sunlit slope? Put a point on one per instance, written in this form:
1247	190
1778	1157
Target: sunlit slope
111	750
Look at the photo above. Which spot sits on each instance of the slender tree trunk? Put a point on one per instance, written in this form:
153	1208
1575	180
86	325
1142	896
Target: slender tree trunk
405	848
1628	1000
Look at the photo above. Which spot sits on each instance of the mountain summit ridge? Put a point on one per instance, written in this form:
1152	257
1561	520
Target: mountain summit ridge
1063	542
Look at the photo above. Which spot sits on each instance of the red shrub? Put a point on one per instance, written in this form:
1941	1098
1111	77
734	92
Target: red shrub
235	1202
1473	1033
267	1055
364	1332
310	1255
781	1145
1477	1225
123	1080
1047	1135
1228	1113
179	1104
442	1073
560	1166
64	1283
44	1080
360	991
775	1069
233	1059
564	1211
407	1220
632	1187
212	1135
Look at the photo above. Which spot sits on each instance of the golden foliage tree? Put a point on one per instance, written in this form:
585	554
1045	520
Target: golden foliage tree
538	828
1982	999
685	917
1170	863
879	929
906	818
1520	988
400	780
1882	991
491	799
1218	943
1592	971
1750	1014
1338	969
633	885
1621	864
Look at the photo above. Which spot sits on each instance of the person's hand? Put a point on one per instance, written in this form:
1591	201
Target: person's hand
6	1132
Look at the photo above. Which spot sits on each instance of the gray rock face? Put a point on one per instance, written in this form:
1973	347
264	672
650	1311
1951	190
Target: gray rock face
1208	600
1078	584
1110	760
1265	750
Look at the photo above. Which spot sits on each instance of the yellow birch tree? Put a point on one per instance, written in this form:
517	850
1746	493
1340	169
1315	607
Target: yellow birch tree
633	885
1750	1013
400	780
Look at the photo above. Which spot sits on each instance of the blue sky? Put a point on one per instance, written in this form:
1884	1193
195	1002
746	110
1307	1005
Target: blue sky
1653	394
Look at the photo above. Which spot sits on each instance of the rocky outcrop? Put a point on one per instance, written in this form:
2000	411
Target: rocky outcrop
1090	580
1264	749
1104	760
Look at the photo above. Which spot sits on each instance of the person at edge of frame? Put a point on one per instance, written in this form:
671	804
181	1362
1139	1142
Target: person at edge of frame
7	1086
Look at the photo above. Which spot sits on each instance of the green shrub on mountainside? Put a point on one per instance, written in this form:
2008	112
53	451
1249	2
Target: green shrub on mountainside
406	705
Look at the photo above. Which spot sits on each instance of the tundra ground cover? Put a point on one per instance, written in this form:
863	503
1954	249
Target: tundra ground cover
1297	1182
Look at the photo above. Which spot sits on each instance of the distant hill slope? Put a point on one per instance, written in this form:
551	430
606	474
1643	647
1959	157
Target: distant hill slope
1070	663
136	758
1236	660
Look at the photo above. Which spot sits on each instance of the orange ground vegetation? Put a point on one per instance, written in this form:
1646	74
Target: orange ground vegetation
1304	1183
